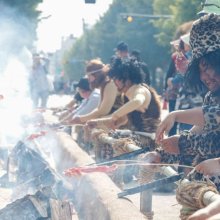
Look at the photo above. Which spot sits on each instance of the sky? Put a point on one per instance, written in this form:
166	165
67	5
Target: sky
64	18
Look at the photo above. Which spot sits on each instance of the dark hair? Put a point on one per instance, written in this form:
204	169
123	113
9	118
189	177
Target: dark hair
83	84
192	76
126	69
122	46
181	46
136	53
78	97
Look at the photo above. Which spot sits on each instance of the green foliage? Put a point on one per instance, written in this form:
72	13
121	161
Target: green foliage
112	28
26	7
181	10
24	14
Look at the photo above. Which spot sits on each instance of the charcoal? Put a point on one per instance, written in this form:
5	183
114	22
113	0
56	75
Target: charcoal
37	207
29	207
34	173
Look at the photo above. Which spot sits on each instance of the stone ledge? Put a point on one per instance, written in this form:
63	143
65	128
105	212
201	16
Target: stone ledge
96	194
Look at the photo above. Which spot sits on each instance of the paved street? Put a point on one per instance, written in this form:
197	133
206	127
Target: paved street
165	206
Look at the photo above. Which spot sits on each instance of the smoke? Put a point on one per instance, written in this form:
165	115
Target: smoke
15	66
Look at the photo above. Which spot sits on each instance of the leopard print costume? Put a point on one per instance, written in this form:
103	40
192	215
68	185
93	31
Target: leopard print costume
206	144
195	148
204	36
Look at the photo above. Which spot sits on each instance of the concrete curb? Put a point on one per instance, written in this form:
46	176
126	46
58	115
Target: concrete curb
96	194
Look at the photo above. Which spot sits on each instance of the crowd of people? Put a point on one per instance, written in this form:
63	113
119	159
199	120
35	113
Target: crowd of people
119	95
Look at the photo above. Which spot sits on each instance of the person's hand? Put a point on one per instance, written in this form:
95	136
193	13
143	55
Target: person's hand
164	127
210	212
101	123
170	144
209	167
169	82
75	120
91	124
151	157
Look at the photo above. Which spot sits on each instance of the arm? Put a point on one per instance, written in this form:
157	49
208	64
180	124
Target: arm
205	213
87	107
136	100
70	104
209	167
196	129
190	116
209	138
121	121
108	100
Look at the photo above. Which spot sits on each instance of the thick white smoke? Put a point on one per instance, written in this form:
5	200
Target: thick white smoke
15	66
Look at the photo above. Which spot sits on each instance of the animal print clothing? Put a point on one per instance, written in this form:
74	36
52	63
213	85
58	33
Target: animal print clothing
149	120
200	177
204	35
195	148
206	144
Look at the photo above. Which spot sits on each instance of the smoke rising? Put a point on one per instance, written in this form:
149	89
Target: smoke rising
15	66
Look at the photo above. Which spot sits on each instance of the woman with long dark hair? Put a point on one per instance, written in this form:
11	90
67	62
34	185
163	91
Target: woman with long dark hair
203	140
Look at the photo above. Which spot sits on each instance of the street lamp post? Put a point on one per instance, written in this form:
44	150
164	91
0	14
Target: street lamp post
130	16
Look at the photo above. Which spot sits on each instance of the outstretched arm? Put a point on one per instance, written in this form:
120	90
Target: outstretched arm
208	212
209	167
104	108
190	116
139	99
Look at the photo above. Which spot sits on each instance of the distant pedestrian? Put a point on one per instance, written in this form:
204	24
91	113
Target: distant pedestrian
122	50
136	54
39	84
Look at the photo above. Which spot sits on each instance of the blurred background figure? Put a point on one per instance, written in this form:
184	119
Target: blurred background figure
39	84
137	55
187	98
171	91
90	100
122	50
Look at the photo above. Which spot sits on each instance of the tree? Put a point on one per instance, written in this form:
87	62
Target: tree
112	28
150	36
183	12
22	18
